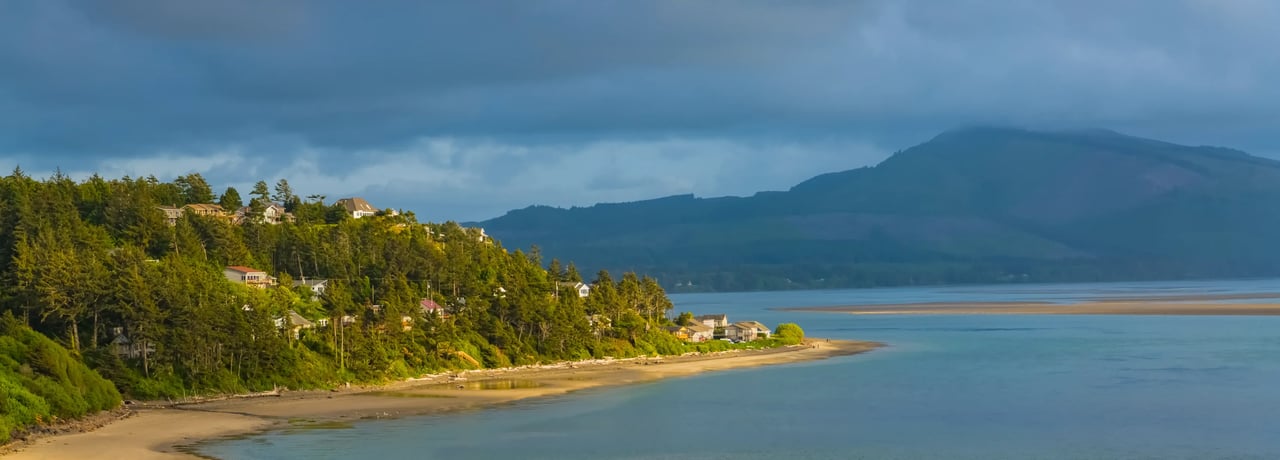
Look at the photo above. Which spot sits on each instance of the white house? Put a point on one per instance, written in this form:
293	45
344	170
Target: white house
746	331
315	286
357	207
583	289
248	276
273	213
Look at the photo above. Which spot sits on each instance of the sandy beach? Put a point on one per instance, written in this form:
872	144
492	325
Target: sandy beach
163	432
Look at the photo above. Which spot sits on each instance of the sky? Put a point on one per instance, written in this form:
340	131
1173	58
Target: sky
465	110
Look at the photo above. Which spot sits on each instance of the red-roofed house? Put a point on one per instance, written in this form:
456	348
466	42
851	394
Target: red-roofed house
430	307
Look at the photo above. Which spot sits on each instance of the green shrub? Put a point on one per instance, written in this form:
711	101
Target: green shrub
40	381
789	333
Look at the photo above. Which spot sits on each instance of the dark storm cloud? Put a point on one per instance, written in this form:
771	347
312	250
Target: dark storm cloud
476	94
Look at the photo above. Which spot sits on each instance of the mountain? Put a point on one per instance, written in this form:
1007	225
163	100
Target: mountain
971	205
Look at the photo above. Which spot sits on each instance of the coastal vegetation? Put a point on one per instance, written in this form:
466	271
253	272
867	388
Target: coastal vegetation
41	382
140	292
789	333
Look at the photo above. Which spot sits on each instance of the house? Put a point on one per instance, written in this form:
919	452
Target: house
692	332
205	209
249	276
125	348
171	214
430	307
716	320
583	289
273	214
746	331
315	286
762	331
357	207
739	333
296	323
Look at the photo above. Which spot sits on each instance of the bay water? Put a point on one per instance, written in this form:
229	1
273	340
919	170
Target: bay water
945	387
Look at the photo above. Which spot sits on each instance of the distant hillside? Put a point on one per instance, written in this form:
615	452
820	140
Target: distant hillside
970	205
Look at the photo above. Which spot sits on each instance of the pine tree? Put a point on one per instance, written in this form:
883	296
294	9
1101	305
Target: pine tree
194	189
261	195
230	199
284	195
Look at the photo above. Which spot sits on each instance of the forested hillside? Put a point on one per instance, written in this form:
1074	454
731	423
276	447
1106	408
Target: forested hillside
95	266
976	205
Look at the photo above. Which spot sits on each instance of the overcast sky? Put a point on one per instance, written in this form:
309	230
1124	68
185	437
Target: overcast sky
464	110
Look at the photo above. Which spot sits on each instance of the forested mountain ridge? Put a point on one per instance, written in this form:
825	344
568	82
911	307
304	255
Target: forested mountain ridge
98	266
971	205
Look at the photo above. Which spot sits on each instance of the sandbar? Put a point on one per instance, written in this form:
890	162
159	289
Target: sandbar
169	431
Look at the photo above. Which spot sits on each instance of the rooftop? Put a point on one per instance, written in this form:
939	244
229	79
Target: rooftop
243	269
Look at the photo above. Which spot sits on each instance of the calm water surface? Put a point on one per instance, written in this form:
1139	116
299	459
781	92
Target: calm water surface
948	387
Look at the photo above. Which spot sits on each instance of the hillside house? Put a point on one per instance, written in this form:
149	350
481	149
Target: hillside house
692	332
171	214
272	213
248	276
582	289
357	207
430	307
123	347
205	209
315	286
296	323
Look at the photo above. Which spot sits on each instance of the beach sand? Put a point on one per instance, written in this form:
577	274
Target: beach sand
163	432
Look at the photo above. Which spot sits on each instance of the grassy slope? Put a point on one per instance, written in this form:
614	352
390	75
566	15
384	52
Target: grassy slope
40	382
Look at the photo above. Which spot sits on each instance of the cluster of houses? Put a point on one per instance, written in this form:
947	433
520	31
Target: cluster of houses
272	213
718	327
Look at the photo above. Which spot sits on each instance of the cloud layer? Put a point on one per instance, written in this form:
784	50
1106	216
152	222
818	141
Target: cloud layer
465	109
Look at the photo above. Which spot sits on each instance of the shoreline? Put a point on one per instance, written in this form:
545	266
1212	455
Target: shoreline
175	432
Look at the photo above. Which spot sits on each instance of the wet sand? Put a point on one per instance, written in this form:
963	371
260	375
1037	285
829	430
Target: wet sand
167	432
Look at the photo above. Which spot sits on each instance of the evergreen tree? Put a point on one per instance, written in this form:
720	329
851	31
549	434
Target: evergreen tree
231	200
194	189
284	195
260	194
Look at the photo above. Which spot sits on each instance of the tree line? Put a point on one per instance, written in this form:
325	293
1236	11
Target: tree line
94	265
